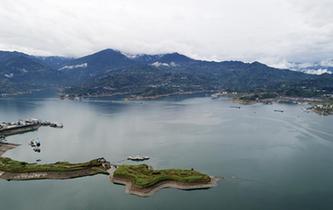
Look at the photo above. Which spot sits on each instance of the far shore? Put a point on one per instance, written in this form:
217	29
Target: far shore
130	97
235	97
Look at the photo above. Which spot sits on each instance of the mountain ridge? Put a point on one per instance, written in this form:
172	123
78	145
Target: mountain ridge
113	71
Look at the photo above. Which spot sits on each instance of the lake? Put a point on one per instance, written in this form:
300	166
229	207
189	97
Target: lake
270	160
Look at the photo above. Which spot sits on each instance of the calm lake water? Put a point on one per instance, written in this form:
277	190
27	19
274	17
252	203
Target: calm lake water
270	160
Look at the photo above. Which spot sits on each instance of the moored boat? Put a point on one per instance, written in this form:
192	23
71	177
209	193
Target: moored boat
138	158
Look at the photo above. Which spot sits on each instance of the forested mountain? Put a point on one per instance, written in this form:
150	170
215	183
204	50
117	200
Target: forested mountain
111	72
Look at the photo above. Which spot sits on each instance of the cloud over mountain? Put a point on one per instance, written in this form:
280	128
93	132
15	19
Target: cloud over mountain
268	31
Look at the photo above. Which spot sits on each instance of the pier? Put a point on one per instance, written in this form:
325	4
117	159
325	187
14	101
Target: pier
23	126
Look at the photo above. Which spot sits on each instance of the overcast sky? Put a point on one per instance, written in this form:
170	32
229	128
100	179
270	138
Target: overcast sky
271	31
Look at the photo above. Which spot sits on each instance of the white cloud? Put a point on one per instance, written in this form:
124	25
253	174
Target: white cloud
317	71
159	64
11	75
294	30
285	64
317	68
77	66
327	63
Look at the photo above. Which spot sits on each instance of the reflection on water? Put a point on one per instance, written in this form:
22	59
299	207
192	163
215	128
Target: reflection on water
270	160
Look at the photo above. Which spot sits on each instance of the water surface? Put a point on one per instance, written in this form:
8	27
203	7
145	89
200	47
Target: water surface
270	160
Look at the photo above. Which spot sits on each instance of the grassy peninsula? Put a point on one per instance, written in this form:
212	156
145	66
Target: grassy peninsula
14	166
143	176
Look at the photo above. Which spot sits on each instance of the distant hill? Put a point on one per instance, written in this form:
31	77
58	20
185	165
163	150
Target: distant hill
190	76
21	71
99	62
53	62
168	58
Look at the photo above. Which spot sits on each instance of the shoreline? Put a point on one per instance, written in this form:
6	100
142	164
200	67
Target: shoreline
26	176
4	147
315	105
129	97
235	99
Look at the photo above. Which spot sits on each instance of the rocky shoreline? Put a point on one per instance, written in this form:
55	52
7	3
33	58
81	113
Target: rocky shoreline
47	175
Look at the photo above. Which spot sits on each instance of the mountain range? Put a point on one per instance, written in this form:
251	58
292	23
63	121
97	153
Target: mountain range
113	72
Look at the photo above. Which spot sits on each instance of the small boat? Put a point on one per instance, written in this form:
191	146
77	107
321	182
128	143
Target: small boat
138	158
278	110
214	96
2	138
34	143
235	107
36	149
46	123
56	125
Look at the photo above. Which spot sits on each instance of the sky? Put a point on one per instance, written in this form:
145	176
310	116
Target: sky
275	32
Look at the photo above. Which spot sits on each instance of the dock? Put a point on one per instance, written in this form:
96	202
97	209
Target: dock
23	126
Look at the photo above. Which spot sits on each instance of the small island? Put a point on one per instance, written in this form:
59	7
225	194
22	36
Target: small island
143	180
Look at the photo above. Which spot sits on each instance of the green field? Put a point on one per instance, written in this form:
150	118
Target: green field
144	176
13	166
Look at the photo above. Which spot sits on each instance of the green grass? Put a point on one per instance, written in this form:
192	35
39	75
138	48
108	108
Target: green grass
9	165
143	176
